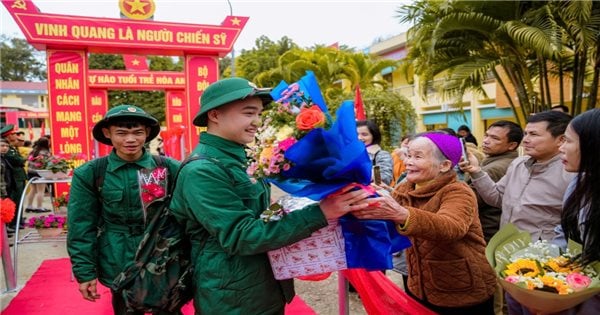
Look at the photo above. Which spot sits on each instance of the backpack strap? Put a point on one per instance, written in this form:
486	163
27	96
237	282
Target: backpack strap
375	157
99	168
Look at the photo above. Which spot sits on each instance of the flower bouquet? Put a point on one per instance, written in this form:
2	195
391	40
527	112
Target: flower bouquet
304	153
539	275
153	186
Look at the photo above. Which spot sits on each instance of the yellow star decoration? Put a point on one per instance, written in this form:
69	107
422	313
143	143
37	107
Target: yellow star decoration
135	62
235	21
136	5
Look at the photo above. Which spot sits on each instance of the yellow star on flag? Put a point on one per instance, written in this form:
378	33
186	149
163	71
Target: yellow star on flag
235	21
137	5
135	62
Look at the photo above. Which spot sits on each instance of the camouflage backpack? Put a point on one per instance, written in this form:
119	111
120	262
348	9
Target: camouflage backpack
160	277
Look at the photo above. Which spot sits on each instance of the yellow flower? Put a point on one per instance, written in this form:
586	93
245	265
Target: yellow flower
284	133
561	264
554	285
266	154
524	267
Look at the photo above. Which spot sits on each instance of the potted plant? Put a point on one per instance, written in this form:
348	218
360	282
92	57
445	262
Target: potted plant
60	203
52	166
48	226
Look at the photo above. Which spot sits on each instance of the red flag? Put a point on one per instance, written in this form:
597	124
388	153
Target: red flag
135	62
359	108
42	129
30	130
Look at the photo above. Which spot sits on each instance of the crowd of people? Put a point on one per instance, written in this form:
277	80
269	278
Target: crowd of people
447	197
16	169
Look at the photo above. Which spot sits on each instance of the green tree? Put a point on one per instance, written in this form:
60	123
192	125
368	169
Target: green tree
263	57
464	42
20	61
338	73
392	112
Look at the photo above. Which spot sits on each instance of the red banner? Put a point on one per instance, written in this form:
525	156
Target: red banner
66	99
200	72
67	95
123	36
98	105
135	80
177	116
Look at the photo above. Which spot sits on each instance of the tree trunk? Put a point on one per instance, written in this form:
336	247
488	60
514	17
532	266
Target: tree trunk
508	97
592	98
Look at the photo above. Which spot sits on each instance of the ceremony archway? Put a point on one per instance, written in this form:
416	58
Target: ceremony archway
77	96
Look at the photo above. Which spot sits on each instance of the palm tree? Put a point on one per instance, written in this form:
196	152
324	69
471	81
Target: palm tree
521	42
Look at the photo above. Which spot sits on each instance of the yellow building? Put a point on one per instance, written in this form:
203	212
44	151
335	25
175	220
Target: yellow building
475	111
25	104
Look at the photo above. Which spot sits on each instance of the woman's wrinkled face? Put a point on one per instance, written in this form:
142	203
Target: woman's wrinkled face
421	164
364	135
570	151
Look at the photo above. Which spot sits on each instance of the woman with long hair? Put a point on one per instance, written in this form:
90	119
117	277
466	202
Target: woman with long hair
36	192
580	220
370	135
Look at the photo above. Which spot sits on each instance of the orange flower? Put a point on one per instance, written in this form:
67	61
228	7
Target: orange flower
310	118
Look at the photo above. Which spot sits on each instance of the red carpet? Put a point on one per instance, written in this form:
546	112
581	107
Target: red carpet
51	292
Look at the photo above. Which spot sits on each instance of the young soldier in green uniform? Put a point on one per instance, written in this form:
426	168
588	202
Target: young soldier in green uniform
106	223
220	207
16	163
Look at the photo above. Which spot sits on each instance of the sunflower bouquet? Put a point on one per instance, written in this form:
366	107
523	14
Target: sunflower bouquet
540	275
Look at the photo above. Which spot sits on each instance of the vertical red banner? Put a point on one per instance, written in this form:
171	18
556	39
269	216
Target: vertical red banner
200	72
67	96
177	116
97	107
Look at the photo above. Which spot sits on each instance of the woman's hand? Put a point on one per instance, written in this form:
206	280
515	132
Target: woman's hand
382	208
338	204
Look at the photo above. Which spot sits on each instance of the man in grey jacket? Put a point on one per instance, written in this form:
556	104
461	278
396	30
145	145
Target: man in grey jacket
530	194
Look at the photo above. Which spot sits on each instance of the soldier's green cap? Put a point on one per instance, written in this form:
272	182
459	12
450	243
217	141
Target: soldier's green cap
121	112
6	130
226	91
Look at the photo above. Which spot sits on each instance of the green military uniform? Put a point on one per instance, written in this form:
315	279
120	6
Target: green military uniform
17	164
105	230
230	243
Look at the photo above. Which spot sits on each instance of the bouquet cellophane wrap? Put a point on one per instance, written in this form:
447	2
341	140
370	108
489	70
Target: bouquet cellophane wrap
322	252
509	240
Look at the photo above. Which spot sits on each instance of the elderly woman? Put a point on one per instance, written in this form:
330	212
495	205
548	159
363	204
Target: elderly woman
448	271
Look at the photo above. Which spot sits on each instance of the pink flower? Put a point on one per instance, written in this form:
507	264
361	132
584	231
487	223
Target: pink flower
578	281
512	279
154	190
146	197
286	144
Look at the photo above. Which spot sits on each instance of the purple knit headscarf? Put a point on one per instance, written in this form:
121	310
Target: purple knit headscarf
449	145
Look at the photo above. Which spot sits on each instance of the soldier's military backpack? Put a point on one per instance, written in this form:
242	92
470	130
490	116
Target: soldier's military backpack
160	277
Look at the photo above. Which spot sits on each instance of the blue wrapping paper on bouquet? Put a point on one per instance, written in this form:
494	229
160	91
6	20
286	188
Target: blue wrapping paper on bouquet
324	161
